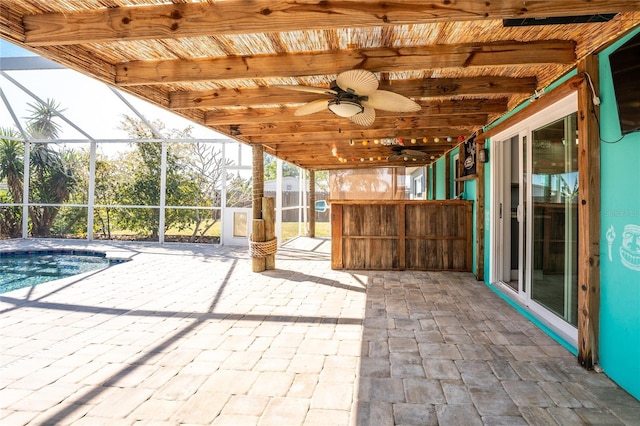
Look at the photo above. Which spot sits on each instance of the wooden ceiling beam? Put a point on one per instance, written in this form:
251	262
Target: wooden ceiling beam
418	88
201	19
500	53
279	115
359	135
334	164
392	124
382	151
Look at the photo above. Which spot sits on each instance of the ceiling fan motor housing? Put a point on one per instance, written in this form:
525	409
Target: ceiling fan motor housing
345	107
345	102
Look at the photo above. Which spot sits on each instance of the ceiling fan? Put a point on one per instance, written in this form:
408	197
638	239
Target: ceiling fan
355	95
402	153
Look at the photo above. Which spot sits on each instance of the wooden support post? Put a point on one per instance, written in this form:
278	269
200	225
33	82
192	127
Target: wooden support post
433	181
269	215
311	232
588	217
337	260
257	233
402	235
257	226
257	170
469	234
479	214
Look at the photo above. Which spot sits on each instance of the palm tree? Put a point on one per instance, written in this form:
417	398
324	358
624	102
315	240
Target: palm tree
11	162
11	170
40	124
51	182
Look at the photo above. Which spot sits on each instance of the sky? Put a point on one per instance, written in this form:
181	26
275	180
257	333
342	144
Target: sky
88	103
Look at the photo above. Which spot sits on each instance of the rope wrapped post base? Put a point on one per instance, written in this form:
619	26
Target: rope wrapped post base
260	249
269	213
257	236
263	243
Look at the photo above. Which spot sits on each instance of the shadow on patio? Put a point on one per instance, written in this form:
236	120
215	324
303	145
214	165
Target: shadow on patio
195	337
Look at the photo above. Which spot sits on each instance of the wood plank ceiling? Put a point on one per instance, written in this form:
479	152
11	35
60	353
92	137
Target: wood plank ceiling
218	62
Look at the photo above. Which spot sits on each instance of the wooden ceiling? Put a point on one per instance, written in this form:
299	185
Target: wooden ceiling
218	62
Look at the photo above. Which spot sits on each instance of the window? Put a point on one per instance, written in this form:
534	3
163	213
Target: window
418	187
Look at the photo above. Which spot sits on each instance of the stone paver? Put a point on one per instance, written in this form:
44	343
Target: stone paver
187	334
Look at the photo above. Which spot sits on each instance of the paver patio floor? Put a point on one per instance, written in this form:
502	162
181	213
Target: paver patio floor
189	335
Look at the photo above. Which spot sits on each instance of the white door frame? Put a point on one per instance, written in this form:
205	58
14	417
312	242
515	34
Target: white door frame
560	109
227	236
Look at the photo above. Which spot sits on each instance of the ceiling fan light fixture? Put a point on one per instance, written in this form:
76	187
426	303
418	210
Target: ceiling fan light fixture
345	107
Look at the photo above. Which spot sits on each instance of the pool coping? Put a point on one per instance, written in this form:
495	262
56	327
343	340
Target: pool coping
115	254
76	252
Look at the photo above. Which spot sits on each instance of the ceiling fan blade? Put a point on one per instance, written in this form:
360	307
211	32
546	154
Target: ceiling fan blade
390	101
360	82
365	118
394	157
312	107
310	89
414	153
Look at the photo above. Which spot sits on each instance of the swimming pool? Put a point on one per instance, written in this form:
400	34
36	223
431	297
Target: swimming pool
20	269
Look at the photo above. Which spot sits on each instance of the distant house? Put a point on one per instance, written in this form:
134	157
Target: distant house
289	184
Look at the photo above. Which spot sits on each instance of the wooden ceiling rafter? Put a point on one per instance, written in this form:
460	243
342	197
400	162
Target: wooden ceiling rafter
286	114
492	54
344	134
391	124
202	19
216	62
371	151
417	88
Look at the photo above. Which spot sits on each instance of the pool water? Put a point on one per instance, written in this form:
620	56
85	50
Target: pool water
24	269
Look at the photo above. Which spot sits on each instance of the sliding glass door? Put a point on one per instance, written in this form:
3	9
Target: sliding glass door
534	215
554	193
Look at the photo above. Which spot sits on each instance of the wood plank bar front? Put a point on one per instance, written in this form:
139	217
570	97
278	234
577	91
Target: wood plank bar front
401	234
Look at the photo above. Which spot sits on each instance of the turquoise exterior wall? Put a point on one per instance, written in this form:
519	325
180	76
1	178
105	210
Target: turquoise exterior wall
619	348
619	241
441	183
470	194
429	182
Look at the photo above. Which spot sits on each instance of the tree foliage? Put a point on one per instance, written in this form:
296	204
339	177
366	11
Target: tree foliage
51	177
59	175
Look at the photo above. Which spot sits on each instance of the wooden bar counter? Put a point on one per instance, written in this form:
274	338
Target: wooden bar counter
401	234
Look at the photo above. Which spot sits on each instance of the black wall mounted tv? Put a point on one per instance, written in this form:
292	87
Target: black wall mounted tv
625	70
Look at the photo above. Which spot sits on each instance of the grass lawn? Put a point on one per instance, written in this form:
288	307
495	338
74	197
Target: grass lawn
289	230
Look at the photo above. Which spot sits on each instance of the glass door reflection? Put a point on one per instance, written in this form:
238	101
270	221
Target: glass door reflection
554	187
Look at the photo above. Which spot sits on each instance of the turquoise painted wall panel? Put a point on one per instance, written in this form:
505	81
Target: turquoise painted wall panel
470	194
619	241
429	183
441	183
487	215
